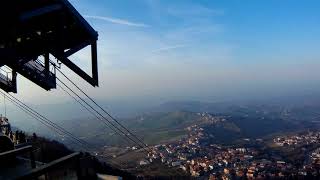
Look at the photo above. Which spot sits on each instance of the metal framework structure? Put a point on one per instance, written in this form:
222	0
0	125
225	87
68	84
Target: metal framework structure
33	28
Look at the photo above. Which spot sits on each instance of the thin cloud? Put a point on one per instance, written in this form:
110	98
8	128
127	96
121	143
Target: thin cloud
194	10
168	48
117	21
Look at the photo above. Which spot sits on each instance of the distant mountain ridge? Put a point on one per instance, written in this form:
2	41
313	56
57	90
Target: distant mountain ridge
169	120
191	106
156	127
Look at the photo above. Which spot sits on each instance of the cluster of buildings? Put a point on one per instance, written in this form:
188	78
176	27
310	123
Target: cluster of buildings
210	118
298	139
200	159
315	156
219	162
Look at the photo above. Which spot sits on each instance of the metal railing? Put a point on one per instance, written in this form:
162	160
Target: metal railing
39	69
18	151
6	77
59	163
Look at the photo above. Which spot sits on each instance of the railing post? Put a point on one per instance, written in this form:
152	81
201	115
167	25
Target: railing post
47	63
32	159
78	167
14	80
7	77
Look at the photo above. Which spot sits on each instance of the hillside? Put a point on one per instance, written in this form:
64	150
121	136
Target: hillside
160	127
151	127
168	122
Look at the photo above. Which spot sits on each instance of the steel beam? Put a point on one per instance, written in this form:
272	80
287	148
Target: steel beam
77	48
40	11
94	62
80	18
77	70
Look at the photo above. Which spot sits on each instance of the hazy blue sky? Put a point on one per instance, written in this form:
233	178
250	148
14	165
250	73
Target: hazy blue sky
198	49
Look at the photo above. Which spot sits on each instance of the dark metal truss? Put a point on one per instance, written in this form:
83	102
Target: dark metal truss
36	28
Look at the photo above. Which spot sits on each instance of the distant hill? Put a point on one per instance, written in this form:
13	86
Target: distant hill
152	127
191	106
164	120
156	127
239	122
169	121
